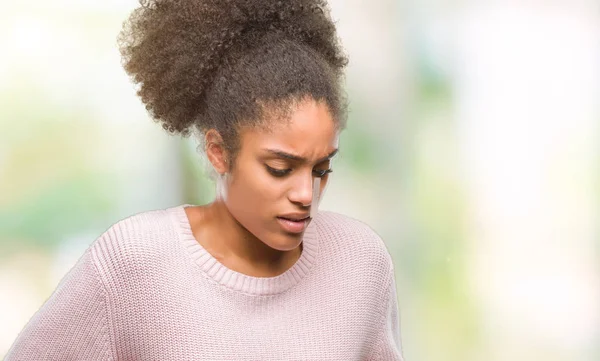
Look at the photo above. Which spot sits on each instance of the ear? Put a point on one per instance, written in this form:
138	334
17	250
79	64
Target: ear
215	151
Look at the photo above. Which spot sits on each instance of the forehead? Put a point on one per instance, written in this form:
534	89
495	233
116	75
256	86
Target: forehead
309	131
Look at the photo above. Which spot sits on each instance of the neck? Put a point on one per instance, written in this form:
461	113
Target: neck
233	245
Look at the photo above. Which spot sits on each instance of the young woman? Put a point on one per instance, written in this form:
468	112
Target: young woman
257	274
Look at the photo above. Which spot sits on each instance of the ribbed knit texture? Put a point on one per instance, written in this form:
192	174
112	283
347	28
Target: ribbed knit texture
147	290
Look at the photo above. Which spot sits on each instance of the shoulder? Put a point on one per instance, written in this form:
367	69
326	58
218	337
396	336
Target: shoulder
343	227
354	237
147	224
135	239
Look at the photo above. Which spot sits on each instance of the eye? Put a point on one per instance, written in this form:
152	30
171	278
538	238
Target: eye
322	173
277	172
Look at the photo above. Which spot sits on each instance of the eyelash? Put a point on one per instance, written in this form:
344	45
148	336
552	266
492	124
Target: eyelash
284	172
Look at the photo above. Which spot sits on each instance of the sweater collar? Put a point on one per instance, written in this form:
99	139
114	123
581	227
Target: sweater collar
240	282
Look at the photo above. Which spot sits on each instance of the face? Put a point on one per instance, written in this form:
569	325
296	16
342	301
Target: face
274	174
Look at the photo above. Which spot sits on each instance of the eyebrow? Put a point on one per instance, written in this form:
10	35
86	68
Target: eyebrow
285	155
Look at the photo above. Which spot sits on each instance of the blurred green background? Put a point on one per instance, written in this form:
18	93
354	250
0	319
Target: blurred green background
471	148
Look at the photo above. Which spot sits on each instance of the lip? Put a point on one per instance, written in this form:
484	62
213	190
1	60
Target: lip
295	216
293	226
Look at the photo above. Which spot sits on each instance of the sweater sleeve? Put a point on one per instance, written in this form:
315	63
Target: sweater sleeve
388	346
72	324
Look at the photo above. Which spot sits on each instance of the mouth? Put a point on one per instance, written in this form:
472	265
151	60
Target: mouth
295	219
294	224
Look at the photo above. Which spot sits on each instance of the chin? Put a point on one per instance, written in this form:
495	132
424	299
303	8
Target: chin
285	242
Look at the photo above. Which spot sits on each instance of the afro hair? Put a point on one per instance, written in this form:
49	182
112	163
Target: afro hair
222	64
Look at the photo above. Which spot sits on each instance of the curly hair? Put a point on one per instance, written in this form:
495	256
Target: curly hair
222	64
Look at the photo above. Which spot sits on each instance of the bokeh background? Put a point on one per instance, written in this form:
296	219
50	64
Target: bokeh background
472	149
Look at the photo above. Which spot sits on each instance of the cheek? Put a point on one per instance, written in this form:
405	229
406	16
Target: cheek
253	201
265	186
253	192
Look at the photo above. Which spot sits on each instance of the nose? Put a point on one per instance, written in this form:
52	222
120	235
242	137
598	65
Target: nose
302	191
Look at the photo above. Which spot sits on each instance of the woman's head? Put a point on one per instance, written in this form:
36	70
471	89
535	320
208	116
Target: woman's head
274	171
244	75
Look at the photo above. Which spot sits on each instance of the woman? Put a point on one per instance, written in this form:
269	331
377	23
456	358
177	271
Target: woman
257	274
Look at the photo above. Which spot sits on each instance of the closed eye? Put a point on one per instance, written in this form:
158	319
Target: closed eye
278	172
283	172
322	173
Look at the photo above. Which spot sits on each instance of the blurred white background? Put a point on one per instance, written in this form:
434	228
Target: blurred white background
471	148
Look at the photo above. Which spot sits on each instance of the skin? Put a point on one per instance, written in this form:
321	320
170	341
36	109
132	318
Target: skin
239	228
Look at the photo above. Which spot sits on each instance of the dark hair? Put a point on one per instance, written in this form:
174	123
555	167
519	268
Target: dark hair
223	64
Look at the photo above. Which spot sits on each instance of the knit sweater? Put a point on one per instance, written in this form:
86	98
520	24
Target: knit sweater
146	289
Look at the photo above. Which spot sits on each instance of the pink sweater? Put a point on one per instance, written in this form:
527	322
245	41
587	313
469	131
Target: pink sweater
147	290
